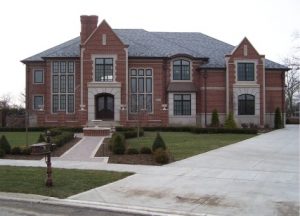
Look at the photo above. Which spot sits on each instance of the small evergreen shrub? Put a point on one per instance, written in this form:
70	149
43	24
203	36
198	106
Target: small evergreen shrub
16	150
132	151
118	146
145	150
161	156
277	119
229	122
41	138
4	144
2	153
112	139
158	143
215	119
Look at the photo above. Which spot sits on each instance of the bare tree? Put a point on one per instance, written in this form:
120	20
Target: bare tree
5	101
292	82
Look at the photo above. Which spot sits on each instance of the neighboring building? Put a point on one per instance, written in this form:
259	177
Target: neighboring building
159	78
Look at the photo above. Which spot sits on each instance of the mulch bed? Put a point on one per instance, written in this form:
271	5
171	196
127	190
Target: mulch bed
142	159
56	153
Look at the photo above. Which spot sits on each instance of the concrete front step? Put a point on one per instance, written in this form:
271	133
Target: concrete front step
101	123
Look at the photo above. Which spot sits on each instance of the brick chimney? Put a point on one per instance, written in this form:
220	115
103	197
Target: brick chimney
88	25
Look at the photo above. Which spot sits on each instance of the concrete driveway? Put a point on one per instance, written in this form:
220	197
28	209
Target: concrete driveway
258	176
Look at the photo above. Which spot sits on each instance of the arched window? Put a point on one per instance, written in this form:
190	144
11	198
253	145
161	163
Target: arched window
181	70
246	104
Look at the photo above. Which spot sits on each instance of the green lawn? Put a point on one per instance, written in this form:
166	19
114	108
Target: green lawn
66	182
19	138
185	144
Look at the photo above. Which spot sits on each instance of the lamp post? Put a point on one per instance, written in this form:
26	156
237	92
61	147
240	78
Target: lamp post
49	182
45	149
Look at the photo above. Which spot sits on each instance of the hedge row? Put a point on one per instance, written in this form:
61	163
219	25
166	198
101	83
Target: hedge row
203	130
129	132
62	138
70	129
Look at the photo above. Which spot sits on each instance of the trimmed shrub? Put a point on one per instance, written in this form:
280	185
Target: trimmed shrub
16	150
63	138
55	132
158	143
4	144
41	138
145	150
2	153
112	139
293	120
132	151
277	119
161	156
215	119
118	146
229	122
26	151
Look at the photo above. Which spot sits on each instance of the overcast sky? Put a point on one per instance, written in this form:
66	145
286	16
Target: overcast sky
31	26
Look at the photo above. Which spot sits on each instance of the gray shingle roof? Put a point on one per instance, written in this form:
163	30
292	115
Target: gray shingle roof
158	44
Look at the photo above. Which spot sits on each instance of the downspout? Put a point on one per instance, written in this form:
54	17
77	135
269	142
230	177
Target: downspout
205	96
227	85
81	79
127	82
264	91
283	98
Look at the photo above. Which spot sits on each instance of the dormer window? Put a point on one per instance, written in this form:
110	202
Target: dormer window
245	71
104	69
181	70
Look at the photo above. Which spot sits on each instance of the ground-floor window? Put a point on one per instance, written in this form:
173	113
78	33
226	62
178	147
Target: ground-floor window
246	104
63	86
182	104
141	90
38	102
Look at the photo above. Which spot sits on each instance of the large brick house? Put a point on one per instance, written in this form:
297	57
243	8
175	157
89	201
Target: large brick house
122	76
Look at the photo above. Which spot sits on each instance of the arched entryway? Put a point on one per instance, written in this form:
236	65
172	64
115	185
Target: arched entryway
104	109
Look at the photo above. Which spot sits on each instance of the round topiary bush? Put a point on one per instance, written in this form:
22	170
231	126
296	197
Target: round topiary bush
161	156
16	150
2	153
145	150
132	151
158	143
118	146
4	144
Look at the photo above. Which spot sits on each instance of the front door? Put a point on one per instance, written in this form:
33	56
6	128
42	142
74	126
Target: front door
104	106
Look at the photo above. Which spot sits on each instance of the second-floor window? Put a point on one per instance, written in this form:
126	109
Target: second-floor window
38	76
104	69
181	70
245	71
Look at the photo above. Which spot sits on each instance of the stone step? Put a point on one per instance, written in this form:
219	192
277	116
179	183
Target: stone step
101	123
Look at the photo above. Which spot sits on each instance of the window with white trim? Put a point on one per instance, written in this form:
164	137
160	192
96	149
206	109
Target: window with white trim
104	69
63	86
181	70
38	76
182	104
246	104
38	102
245	71
141	90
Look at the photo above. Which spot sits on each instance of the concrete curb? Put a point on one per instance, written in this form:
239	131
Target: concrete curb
31	198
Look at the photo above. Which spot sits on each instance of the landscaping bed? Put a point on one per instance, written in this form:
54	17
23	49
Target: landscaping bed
180	145
57	152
